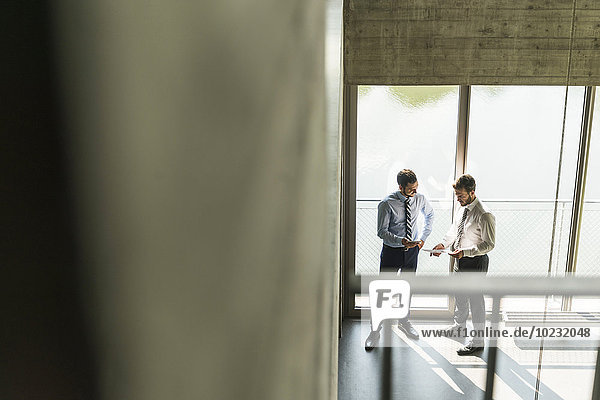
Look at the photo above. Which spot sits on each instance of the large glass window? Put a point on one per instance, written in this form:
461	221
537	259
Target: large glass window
588	256
404	127
519	139
588	260
514	153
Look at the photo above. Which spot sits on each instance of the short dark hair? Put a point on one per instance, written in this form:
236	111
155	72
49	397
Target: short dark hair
406	176
465	182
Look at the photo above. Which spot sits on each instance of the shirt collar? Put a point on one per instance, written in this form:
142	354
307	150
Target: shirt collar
472	204
400	196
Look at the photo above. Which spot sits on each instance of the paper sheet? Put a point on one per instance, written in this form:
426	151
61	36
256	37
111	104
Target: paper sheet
437	250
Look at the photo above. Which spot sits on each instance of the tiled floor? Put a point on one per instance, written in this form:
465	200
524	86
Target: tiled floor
430	369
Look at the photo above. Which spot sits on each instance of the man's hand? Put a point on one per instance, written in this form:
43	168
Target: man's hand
437	247
408	244
421	243
458	254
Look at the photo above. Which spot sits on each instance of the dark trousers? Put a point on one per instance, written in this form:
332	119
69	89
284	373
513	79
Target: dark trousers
477	305
394	259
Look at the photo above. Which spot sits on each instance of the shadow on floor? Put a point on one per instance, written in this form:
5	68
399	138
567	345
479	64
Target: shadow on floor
423	372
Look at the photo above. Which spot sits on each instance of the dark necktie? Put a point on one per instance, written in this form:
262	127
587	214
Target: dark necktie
408	219
461	229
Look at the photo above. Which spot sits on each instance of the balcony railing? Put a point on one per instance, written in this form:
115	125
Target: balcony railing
523	238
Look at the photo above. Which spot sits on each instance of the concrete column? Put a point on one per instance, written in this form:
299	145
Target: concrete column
199	140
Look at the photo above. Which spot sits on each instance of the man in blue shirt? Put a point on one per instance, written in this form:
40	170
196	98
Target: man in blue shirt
397	224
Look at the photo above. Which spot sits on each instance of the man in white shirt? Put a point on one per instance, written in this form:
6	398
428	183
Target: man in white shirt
471	237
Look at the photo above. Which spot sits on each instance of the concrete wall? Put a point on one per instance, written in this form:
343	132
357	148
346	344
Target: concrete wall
472	42
207	177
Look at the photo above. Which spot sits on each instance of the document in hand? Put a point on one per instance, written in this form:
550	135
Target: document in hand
437	250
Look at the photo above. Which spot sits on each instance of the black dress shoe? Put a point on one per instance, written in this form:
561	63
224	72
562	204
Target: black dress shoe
408	329
372	340
470	348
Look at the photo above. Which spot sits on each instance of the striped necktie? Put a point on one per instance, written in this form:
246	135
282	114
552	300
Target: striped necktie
408	219
461	229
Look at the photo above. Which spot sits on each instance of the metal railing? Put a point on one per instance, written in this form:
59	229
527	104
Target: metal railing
497	287
523	236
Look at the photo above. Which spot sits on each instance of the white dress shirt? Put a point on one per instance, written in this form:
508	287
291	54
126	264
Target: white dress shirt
479	234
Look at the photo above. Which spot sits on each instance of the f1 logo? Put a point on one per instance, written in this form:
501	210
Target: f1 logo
389	299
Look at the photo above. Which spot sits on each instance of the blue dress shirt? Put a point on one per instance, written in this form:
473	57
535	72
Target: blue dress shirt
391	218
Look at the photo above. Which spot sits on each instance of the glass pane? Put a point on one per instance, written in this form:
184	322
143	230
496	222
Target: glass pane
514	152
588	260
404	127
588	257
